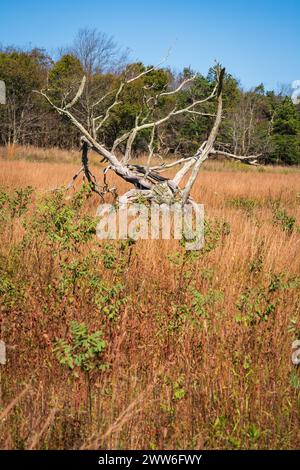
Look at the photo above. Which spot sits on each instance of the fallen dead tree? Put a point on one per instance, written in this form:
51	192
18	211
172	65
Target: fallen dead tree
148	181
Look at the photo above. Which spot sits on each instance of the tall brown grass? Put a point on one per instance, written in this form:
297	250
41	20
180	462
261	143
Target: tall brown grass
181	374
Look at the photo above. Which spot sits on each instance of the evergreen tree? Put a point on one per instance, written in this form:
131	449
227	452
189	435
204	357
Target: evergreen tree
286	134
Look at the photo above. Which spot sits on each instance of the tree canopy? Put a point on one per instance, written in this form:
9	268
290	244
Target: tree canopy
254	122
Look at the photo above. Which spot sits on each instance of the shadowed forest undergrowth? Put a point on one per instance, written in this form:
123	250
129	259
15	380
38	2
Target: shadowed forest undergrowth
120	345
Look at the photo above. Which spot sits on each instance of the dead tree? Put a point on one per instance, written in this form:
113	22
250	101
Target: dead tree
147	180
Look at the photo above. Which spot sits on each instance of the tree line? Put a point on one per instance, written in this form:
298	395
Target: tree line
255	122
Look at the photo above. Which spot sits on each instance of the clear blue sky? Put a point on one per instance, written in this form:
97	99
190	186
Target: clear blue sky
257	41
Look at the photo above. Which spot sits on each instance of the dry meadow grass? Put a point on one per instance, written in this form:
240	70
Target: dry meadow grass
198	349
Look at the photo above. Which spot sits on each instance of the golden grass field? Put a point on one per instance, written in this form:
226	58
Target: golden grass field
198	349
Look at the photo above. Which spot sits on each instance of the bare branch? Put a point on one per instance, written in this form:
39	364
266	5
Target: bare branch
109	108
155	67
184	82
188	165
102	98
119	168
251	159
174	112
130	141
151	148
210	141
78	94
118	92
166	166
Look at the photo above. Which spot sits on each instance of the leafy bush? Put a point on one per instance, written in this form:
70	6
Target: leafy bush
83	351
